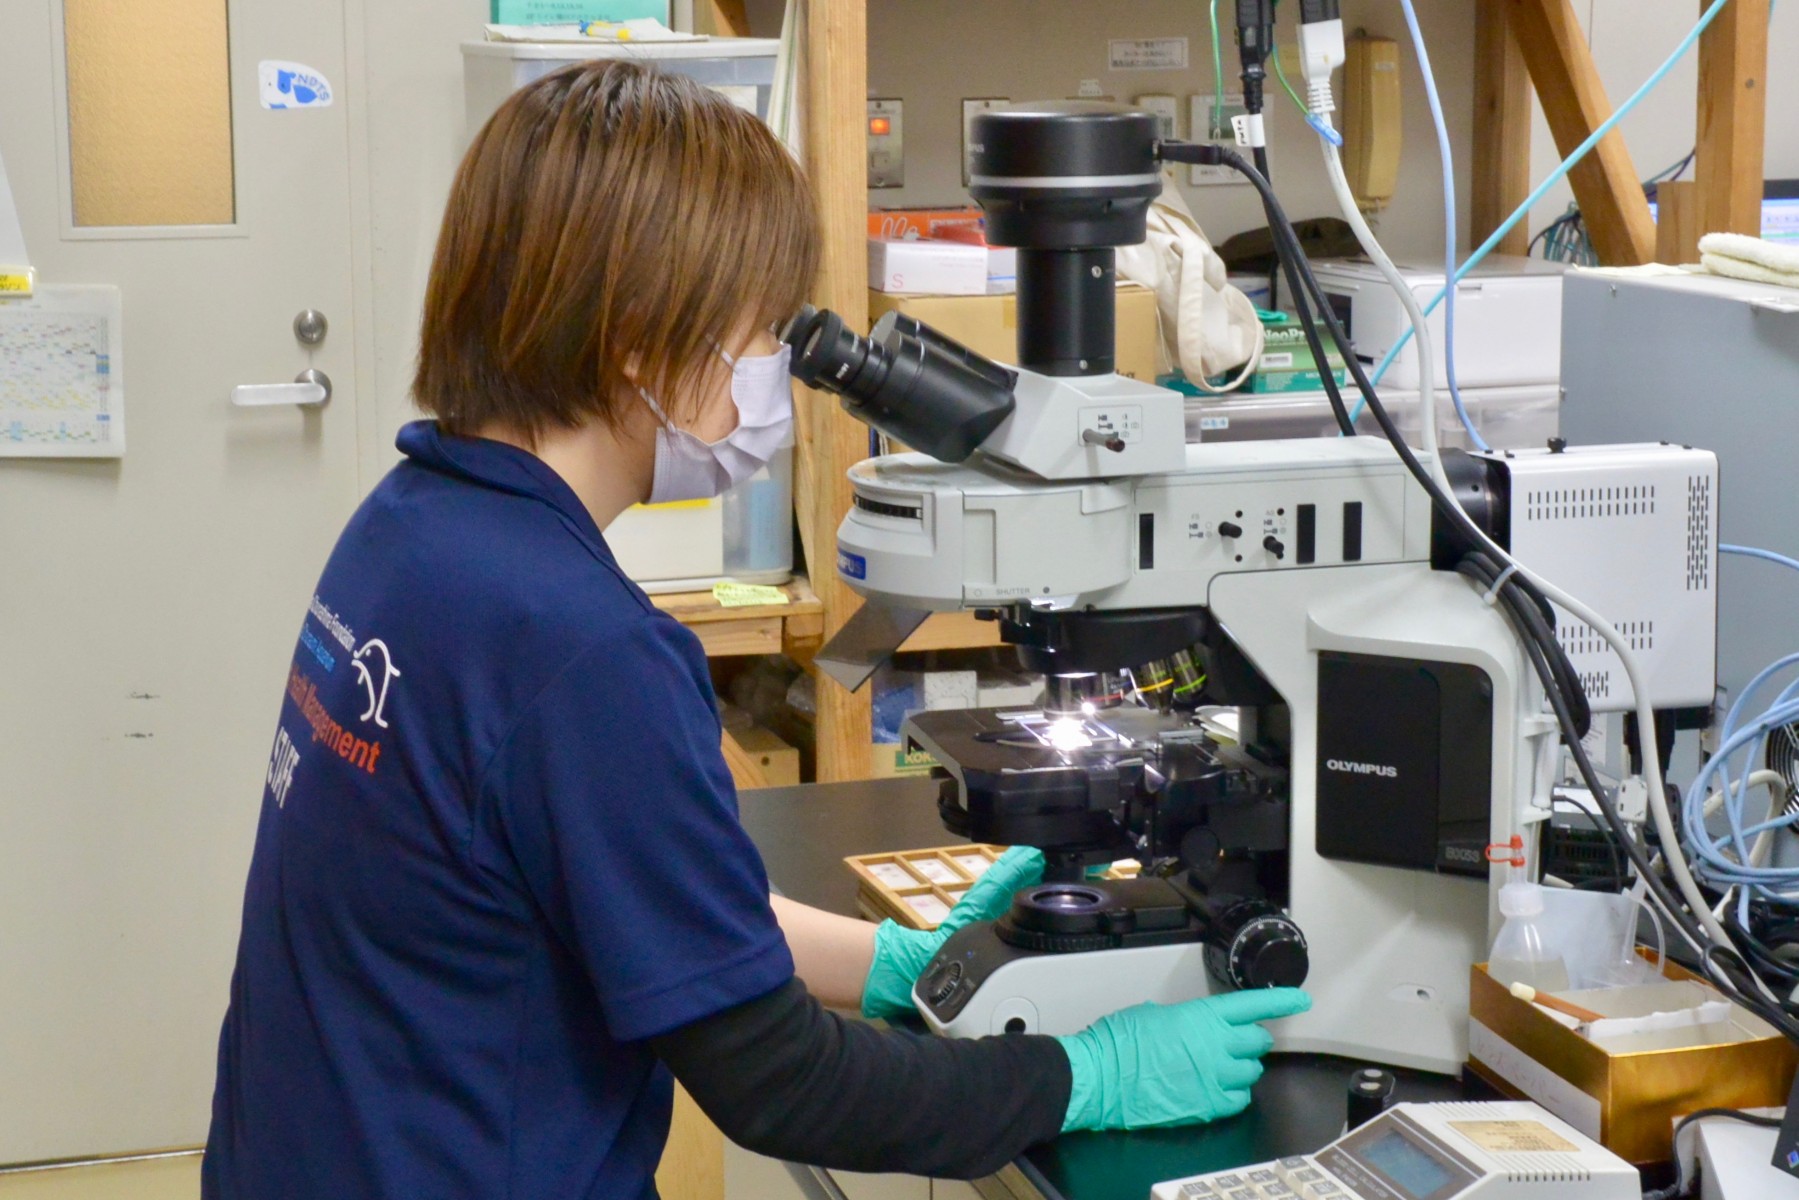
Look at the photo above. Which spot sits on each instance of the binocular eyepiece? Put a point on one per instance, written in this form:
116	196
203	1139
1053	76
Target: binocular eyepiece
905	379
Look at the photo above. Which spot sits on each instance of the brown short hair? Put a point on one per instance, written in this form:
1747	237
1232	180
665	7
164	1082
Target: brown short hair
608	216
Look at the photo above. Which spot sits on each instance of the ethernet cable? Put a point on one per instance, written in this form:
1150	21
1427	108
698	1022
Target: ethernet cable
1554	177
1449	265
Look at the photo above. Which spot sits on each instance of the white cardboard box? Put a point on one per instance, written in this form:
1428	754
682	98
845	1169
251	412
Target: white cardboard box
933	268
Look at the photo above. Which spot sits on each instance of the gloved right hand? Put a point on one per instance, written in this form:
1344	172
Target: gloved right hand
1173	1064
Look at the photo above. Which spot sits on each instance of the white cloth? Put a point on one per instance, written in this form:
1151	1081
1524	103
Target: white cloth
1208	327
1755	259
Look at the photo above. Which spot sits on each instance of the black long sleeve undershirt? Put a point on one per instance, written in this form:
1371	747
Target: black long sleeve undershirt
784	1077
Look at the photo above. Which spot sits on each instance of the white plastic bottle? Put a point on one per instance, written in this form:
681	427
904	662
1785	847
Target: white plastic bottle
1518	954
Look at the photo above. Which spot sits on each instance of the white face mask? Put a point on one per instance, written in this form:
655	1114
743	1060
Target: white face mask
690	469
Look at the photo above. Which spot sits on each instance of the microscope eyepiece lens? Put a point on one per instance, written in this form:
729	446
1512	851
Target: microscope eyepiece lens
906	380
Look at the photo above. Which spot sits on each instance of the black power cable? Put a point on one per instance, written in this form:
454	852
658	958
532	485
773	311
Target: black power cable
1288	255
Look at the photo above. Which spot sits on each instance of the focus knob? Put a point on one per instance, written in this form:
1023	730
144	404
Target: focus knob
1255	945
941	984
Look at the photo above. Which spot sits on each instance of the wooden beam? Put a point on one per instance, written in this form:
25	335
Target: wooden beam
722	18
1677	222
1501	129
1606	184
1733	75
829	440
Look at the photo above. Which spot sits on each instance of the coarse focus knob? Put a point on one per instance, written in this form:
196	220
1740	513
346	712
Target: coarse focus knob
1273	545
1229	529
941	984
1255	945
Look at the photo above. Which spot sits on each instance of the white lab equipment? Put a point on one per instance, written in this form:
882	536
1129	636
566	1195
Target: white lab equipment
1497	1150
1508	319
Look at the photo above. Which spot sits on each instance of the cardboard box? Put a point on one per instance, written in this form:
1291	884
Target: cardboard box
927	267
892	760
988	325
1627	1102
913	223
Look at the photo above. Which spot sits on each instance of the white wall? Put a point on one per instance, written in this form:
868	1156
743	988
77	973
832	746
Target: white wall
415	138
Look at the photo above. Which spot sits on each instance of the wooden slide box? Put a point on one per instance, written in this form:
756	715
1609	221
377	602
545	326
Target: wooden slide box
917	888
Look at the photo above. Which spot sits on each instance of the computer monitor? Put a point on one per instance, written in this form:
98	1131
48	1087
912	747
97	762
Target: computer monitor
1780	211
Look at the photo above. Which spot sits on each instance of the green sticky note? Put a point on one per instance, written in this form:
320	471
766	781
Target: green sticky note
743	595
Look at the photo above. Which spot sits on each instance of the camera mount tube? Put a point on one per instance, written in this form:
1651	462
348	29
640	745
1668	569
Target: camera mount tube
1067	314
1065	182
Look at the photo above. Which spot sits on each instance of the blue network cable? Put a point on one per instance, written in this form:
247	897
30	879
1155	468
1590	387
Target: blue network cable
1436	116
1555	176
1767	555
1776	884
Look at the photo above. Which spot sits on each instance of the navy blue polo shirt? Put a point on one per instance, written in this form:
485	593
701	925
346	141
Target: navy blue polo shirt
498	848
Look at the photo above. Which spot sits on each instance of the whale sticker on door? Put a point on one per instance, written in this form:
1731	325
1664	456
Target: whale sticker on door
291	85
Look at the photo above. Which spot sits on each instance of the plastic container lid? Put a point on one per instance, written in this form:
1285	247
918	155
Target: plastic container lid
1521	899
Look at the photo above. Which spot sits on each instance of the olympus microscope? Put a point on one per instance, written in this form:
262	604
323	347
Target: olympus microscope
1266	681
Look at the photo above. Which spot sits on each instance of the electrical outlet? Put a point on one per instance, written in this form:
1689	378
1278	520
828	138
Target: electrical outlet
886	143
1206	126
971	108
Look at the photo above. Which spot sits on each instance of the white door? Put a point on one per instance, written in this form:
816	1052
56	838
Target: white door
148	605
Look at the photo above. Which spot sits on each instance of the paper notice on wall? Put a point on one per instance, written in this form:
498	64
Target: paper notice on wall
15	264
1148	54
61	380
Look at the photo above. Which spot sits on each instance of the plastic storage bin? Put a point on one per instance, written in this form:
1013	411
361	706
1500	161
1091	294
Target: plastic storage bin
742	68
745	535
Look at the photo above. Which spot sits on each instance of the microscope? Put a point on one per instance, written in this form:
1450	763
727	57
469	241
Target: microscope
1265	680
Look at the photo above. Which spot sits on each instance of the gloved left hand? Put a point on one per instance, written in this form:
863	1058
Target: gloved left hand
901	953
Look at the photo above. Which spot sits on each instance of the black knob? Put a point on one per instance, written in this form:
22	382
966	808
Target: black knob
1370	1090
1255	945
941	984
1273	545
1229	529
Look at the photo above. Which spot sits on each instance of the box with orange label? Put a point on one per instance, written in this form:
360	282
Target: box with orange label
914	223
988	325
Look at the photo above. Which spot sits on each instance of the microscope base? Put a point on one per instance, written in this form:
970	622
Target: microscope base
1001	989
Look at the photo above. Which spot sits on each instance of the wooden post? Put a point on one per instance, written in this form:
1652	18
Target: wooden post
1733	74
1606	184
1677	222
723	18
1501	129
693	1161
829	440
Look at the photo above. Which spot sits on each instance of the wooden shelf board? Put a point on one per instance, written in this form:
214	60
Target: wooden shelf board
753	629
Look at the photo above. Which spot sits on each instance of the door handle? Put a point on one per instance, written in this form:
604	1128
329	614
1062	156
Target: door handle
310	389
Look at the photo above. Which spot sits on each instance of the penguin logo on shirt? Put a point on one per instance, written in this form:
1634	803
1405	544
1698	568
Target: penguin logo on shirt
377	693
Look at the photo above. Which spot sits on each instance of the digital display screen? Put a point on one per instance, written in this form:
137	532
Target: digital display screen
1401	1161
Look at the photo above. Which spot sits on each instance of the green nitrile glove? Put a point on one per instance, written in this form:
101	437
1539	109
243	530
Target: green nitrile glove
901	953
1173	1064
